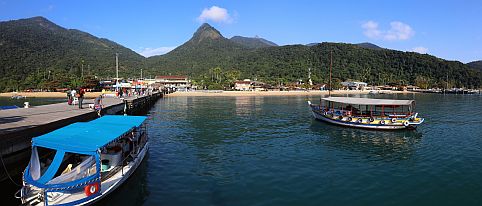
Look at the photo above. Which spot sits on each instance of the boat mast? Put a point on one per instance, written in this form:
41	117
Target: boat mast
331	62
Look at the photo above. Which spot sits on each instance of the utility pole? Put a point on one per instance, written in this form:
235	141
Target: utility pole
82	71
117	71
331	64
117	66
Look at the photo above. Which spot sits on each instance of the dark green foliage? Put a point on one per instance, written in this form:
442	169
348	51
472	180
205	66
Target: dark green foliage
252	43
30	48
476	65
284	64
368	45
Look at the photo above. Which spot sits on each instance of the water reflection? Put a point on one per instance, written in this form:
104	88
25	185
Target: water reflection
134	191
389	145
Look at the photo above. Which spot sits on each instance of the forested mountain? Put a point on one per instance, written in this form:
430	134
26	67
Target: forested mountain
476	65
252	43
199	57
30	48
368	45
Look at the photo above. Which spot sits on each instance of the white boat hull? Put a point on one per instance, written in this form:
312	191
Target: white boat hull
107	186
388	126
120	177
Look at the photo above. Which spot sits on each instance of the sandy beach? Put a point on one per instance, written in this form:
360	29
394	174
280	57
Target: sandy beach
272	93
48	94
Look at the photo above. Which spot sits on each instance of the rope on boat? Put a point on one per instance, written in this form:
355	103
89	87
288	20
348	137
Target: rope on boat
6	171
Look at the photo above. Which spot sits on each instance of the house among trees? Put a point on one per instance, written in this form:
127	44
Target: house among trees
354	85
248	85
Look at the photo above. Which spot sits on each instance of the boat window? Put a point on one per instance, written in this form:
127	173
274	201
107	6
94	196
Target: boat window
74	167
44	158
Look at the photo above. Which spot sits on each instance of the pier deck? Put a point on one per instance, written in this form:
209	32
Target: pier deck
19	126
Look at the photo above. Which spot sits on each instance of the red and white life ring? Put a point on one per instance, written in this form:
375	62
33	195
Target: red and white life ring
91	189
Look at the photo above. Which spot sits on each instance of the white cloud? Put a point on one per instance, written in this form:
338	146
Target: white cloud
421	50
148	52
398	31
215	14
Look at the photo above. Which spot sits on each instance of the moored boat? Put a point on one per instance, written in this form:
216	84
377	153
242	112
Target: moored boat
383	114
83	162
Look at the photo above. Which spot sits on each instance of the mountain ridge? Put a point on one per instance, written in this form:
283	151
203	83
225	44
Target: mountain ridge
31	48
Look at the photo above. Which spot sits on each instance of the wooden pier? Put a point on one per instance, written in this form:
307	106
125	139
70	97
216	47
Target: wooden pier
19	126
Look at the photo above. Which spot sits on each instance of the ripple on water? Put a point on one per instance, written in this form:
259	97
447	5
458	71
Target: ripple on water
270	151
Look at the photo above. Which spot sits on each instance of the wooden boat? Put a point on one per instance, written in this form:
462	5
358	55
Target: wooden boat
383	114
83	162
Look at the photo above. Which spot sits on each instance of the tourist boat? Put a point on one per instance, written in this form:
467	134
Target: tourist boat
83	162
367	113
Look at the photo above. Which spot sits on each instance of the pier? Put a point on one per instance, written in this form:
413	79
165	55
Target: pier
19	126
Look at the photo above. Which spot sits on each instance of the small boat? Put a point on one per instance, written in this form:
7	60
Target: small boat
81	163
383	114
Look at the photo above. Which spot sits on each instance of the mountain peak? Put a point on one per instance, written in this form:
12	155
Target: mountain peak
369	45
206	31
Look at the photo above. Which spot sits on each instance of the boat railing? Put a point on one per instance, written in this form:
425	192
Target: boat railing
341	112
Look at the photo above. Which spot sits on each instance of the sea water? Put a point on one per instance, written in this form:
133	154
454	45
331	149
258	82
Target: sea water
271	151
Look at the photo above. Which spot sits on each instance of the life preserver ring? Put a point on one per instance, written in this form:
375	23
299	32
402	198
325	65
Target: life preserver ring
382	122
91	189
394	120
340	117
359	120
349	119
371	119
406	123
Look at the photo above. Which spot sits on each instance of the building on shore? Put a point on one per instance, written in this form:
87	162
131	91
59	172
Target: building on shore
354	85
243	85
174	82
248	85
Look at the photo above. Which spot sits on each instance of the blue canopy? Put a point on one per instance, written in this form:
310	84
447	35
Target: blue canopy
88	137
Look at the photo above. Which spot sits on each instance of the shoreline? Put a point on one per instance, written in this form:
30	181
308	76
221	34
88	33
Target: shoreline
273	93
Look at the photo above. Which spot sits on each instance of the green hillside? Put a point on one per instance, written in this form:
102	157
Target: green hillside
476	65
252	43
200	55
30	48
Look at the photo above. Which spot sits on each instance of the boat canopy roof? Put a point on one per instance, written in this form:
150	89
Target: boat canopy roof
368	101
88	137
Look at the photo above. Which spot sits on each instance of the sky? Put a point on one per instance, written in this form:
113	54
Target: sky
450	30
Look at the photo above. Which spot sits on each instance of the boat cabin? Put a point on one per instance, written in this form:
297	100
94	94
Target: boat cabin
70	165
366	107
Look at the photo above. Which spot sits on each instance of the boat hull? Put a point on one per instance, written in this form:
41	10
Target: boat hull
388	126
129	171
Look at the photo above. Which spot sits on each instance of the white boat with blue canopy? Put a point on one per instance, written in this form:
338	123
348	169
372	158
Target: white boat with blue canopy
367	113
83	162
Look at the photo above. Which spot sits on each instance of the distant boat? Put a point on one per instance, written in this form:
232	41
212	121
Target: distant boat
83	162
9	107
18	97
382	114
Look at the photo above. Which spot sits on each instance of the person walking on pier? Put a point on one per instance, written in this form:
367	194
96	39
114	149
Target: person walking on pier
81	97
98	104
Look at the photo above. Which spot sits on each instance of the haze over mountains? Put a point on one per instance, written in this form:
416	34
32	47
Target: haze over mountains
30	48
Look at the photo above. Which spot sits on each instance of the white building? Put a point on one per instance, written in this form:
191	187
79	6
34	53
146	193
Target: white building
178	82
354	85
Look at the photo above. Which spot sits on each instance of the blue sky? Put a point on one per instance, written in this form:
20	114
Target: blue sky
447	29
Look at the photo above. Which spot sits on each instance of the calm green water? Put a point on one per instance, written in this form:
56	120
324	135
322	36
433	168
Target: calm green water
7	101
270	151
